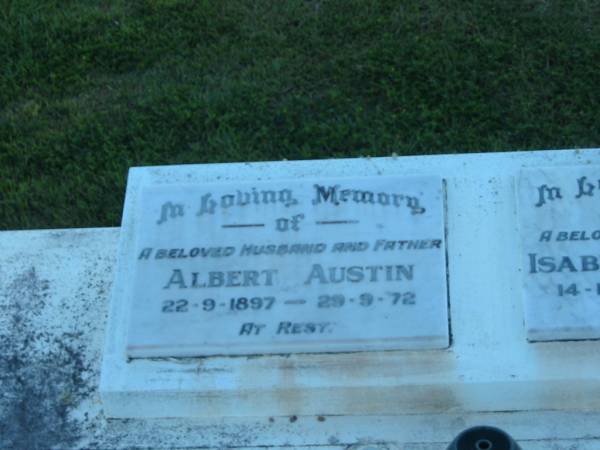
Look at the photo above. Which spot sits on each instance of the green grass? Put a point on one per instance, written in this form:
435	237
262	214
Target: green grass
91	87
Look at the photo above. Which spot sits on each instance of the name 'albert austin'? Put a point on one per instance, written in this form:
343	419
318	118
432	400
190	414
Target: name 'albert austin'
268	277
322	194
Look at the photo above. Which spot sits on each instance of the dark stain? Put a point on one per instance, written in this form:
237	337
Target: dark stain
293	418
333	440
42	373
271	420
321	418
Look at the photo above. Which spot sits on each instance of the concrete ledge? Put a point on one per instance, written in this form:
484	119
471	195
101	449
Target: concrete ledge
54	296
490	365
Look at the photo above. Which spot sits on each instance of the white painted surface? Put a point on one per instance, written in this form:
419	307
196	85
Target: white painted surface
54	298
490	365
559	213
291	266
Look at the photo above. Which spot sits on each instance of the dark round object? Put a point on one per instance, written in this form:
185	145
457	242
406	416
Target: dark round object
483	438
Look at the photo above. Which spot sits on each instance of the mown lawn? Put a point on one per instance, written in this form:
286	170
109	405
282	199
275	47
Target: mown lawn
89	88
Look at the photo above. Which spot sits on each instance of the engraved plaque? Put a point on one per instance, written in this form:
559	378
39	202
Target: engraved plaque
323	265
559	211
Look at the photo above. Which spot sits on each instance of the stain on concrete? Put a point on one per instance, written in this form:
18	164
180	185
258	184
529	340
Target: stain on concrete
41	373
51	338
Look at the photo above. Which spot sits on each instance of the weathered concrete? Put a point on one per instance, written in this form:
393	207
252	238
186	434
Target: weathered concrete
54	296
490	365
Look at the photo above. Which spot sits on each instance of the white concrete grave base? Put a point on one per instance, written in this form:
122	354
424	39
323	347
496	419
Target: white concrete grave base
54	298
489	366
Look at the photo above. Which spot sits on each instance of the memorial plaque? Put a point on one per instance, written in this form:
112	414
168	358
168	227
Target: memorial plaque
322	265
559	211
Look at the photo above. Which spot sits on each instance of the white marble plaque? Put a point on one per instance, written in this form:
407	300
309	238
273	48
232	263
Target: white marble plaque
559	212
323	265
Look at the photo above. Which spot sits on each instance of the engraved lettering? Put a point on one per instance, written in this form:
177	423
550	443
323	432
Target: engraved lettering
207	205
356	274
333	195
170	210
177	279
145	253
585	188
545	192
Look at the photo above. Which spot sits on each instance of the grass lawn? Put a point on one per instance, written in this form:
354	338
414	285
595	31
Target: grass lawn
89	88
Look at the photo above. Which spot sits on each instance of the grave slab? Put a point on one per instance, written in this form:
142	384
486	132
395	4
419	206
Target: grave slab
289	266
559	213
